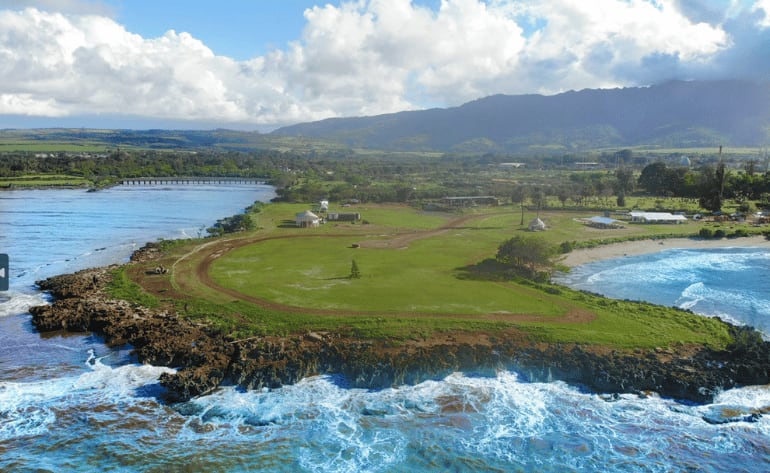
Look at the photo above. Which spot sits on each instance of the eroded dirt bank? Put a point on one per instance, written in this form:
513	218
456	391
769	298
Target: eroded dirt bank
207	360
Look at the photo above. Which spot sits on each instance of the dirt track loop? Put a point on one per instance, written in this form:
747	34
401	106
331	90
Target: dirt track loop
218	248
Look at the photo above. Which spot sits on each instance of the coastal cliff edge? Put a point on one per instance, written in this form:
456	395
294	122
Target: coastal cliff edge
205	360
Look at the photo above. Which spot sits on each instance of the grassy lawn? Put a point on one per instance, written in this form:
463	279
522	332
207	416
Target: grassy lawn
314	272
411	285
625	324
44	180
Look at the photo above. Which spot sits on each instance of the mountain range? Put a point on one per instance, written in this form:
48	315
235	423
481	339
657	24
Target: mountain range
675	114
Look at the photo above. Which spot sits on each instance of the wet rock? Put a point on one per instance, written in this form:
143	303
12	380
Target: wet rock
726	414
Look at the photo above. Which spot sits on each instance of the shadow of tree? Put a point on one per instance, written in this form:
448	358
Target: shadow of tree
491	269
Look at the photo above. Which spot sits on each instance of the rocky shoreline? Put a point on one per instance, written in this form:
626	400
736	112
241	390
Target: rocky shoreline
205	360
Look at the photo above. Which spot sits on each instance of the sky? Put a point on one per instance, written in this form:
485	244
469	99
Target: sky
262	64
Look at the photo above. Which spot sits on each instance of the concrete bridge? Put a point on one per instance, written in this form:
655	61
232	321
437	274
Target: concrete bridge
155	181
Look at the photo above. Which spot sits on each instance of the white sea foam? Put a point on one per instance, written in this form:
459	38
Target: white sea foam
509	423
338	435
24	410
15	303
120	381
471	423
28	409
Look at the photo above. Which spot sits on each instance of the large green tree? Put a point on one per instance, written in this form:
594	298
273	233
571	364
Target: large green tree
712	187
624	181
526	255
654	178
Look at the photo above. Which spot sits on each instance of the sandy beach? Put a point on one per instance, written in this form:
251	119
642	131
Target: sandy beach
631	248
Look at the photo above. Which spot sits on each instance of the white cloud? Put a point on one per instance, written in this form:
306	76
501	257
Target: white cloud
763	6
365	57
92	65
80	7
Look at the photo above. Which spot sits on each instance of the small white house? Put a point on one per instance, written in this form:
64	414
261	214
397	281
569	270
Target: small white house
323	206
307	219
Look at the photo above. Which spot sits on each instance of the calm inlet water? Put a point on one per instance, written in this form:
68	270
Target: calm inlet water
68	403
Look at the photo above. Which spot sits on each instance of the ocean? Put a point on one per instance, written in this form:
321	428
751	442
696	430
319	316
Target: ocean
69	403
732	283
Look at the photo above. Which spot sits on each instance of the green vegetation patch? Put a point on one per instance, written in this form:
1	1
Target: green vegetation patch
627	324
122	287
44	180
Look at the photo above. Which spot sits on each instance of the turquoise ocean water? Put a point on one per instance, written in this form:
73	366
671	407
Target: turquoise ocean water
731	283
68	403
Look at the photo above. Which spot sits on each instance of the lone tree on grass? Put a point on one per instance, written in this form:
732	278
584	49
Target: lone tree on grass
354	272
527	256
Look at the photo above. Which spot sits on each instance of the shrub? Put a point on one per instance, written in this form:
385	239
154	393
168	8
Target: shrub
236	223
738	233
706	233
719	233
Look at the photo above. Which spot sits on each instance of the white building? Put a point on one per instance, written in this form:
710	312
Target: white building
657	217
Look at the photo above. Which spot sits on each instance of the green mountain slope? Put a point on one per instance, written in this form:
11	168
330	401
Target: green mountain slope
673	114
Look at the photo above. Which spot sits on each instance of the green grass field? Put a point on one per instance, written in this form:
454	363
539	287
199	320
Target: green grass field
420	278
411	285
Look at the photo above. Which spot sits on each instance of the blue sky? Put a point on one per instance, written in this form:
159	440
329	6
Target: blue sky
240	29
260	64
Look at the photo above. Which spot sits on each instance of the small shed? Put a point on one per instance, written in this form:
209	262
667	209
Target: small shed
344	216
307	219
536	225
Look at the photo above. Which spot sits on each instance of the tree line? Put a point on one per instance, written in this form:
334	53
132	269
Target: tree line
711	185
413	178
126	164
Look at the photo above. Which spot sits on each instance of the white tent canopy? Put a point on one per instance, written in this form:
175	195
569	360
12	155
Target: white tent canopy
307	219
657	217
537	225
